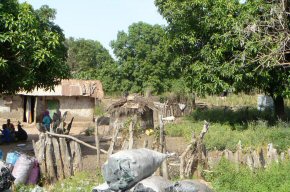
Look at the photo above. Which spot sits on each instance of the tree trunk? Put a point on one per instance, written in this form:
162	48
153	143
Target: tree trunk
279	107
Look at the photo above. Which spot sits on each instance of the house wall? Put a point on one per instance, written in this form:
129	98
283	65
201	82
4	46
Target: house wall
11	107
81	108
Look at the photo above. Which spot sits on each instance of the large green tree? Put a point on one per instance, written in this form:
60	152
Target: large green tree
226	44
88	59
143	58
32	51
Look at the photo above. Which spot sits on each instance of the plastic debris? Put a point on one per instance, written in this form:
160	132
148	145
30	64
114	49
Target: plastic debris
152	184
188	186
6	178
126	168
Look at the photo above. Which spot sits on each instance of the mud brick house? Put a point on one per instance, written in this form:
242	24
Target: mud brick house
77	97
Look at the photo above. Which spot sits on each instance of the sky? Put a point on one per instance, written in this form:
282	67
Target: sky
100	19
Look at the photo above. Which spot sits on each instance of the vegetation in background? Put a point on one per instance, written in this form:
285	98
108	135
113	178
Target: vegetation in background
226	178
229	125
88	59
32	51
223	136
224	44
143	59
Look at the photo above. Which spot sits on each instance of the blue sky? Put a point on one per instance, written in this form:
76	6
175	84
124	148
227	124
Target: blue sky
100	19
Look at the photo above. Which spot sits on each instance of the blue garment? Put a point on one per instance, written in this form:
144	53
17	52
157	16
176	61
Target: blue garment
46	122
7	136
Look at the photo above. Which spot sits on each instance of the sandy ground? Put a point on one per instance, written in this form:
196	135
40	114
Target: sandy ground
174	144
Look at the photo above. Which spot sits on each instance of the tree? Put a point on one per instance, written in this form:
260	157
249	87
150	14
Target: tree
226	44
143	58
88	59
32	51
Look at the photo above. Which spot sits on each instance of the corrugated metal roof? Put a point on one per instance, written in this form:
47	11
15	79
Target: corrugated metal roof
71	87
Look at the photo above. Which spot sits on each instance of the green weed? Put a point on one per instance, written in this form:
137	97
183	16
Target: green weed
227	178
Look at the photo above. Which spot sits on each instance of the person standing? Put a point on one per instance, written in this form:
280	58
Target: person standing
46	120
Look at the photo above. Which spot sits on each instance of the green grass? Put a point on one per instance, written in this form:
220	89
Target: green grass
223	136
81	182
234	100
227	178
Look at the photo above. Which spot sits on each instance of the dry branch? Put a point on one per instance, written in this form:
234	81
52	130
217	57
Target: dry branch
76	140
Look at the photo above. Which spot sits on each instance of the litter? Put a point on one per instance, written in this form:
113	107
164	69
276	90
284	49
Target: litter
188	186
22	169
6	178
12	157
152	184
126	168
102	188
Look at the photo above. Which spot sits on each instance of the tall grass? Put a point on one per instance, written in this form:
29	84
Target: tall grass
227	178
223	136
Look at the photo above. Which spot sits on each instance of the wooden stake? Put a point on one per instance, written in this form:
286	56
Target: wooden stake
114	139
162	143
58	160
51	174
66	158
97	141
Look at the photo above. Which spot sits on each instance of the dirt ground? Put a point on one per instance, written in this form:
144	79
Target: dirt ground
174	144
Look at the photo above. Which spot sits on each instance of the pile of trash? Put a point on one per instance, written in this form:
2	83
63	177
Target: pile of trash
132	170
19	169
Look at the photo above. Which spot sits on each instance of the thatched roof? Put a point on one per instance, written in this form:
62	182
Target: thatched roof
131	105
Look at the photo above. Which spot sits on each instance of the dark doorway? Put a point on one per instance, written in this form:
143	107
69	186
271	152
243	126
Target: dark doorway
28	109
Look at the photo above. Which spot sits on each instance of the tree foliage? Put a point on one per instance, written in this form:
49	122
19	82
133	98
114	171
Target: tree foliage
88	59
226	44
142	57
32	52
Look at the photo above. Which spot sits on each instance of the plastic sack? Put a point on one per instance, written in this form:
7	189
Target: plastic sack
102	188
22	169
12	157
6	178
152	184
188	186
126	168
34	173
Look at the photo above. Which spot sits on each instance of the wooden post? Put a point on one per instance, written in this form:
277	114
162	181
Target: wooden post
76	157
114	139
131	132
39	151
51	174
163	148
66	158
58	160
97	140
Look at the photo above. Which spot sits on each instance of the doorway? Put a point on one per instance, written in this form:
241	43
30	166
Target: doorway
52	107
28	109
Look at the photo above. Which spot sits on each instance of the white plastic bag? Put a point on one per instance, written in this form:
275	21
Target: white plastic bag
22	169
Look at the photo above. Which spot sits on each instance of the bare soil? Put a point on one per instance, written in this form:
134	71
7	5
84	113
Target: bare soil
173	144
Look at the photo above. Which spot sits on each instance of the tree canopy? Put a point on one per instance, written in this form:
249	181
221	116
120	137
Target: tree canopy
32	51
142	57
88	59
225	44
